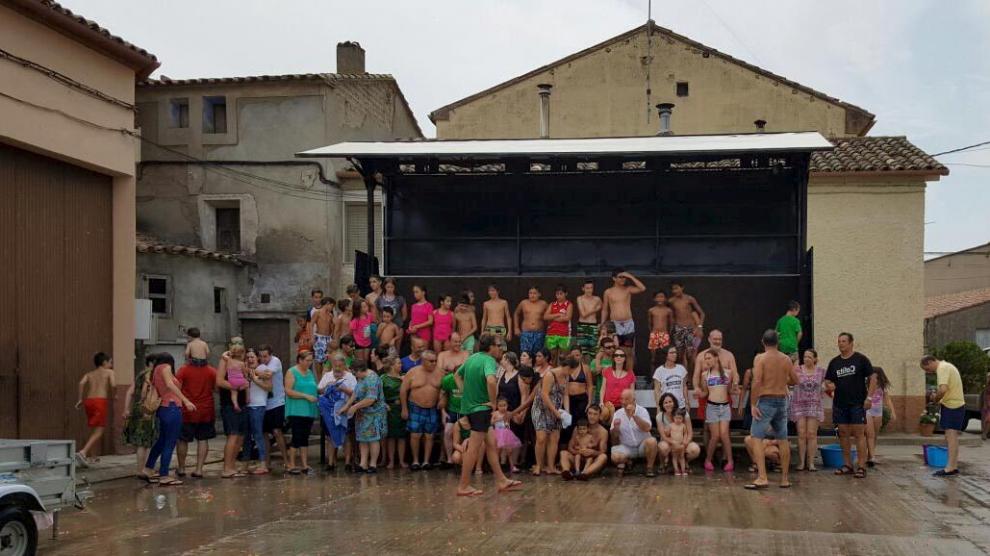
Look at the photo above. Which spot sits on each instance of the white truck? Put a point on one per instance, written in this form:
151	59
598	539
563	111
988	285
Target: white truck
37	479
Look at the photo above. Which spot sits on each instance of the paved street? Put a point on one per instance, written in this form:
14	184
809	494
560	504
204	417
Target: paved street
899	509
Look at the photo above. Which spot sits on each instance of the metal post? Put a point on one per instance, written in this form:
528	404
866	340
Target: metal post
369	184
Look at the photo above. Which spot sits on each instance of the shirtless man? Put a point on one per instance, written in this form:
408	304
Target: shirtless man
586	336
418	397
616	307
495	318
466	321
454	356
661	320
601	439
323	330
773	372
689	321
528	320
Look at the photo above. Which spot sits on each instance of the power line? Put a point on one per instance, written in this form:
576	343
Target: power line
960	149
733	33
965	164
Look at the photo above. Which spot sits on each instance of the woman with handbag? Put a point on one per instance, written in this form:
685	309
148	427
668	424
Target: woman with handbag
140	428
169	414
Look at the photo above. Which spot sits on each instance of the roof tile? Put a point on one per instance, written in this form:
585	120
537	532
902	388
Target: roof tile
949	303
148	244
874	154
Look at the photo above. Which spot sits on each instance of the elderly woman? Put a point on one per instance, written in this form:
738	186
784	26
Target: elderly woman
368	406
300	410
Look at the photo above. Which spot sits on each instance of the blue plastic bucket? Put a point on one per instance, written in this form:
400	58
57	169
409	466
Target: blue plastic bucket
832	455
935	456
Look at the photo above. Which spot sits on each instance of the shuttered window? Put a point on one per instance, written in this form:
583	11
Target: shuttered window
356	230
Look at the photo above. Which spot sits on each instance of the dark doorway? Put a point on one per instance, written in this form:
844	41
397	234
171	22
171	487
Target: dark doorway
274	332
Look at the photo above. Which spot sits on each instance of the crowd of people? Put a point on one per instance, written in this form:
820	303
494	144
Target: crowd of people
416	386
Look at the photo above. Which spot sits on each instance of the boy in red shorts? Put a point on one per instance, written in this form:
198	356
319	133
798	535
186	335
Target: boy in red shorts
95	390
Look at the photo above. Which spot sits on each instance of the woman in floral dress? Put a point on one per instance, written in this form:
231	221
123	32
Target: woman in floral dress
806	408
370	411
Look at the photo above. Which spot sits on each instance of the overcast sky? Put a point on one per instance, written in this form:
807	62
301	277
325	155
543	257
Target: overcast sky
920	66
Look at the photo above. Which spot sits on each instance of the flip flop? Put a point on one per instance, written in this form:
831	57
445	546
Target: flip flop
472	492
944	473
860	473
235	475
788	485
293	471
844	470
150	479
195	475
756	486
170	482
513	485
813	470
261	471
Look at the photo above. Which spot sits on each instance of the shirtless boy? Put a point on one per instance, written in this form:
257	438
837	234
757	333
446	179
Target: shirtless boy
316	299
323	330
661	320
586	333
388	331
528	320
558	317
466	321
95	390
418	396
375	282
197	351
616	307
689	321
773	372
342	322
495	317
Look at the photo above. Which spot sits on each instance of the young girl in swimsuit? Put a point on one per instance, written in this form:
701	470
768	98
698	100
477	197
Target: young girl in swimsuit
716	386
235	372
443	323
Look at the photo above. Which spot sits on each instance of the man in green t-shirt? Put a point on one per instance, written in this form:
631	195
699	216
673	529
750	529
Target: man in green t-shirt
789	331
478	385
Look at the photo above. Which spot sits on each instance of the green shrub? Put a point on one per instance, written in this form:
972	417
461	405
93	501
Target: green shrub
972	362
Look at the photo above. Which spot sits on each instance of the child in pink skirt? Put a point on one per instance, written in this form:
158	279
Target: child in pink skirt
506	440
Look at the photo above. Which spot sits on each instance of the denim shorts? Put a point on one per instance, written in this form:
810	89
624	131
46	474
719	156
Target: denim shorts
715	413
855	415
774	416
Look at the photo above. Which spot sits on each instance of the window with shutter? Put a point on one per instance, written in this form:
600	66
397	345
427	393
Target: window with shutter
356	230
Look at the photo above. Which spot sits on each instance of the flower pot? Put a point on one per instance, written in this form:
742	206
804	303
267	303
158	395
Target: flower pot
926	429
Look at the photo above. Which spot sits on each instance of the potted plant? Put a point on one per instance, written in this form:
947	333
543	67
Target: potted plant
927	422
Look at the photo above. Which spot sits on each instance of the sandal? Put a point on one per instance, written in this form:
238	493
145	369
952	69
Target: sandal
169	482
844	470
650	474
293	471
860	473
620	469
150	479
261	471
756	486
195	475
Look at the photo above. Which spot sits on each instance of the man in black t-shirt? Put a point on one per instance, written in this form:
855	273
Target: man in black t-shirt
851	380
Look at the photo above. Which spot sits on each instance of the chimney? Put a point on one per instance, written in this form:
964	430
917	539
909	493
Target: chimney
350	58
665	109
761	125
544	109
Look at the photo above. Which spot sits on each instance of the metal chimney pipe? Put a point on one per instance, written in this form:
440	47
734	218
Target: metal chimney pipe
544	93
665	109
760	125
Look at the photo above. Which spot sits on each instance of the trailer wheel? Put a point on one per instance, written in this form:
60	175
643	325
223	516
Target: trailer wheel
18	532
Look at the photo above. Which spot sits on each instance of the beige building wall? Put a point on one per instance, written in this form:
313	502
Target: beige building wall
868	238
603	94
48	117
959	272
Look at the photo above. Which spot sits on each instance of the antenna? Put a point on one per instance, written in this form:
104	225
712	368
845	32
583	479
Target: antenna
649	58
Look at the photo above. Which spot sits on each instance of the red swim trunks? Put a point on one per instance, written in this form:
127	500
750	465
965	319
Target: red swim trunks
96	411
659	340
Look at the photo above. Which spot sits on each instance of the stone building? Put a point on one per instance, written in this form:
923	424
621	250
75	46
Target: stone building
960	316
218	174
865	199
958	272
68	148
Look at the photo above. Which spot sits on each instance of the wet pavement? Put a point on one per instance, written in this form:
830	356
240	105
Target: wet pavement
898	509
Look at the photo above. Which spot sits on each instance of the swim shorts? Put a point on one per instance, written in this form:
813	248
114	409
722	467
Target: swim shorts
531	341
625	331
422	420
586	338
558	342
468	344
683	337
96	411
659	340
320	345
495	329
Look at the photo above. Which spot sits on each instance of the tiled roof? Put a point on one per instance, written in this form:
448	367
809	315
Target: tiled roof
874	154
327	78
866	117
949	303
88	31
148	244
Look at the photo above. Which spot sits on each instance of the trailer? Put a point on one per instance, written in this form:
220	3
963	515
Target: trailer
37	480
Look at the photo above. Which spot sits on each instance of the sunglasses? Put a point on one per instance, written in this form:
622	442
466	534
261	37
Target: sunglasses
618	355
609	347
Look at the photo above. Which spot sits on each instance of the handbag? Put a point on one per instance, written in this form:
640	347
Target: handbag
150	400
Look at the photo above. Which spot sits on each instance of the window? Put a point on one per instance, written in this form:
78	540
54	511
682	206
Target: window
682	88
178	113
158	290
228	229
982	338
214	114
219	300
356	232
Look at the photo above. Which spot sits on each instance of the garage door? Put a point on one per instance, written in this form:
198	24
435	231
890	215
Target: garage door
55	290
